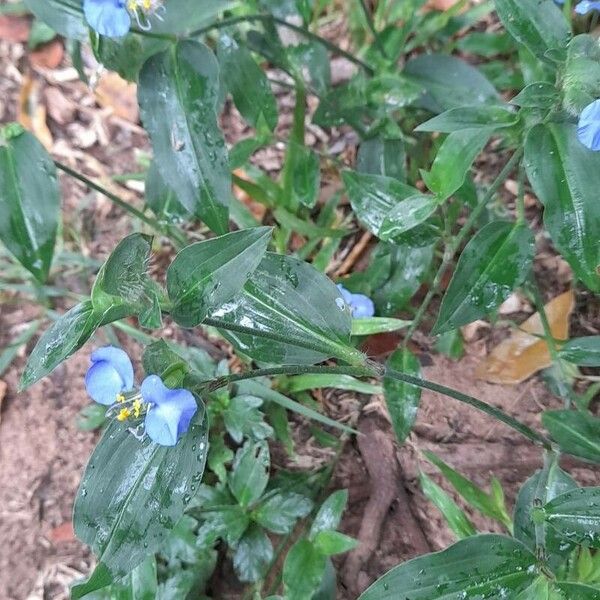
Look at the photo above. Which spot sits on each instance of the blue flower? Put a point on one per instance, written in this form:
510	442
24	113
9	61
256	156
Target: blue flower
361	306
110	375
588	128
586	6
169	412
108	17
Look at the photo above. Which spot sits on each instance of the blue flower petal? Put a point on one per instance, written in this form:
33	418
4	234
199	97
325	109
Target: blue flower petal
170	413
362	306
103	382
120	362
586	6
588	129
107	17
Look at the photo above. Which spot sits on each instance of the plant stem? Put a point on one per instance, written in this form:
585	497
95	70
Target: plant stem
529	433
220	382
112	197
301	30
462	234
371	26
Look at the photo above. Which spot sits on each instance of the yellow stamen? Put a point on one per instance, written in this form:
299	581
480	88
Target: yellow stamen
124	414
137	408
120	398
147	4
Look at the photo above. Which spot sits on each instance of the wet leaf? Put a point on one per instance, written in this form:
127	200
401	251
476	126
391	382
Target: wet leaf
494	262
565	176
64	16
330	543
584	351
402	399
330	513
303	570
27	225
382	156
250	472
178	94
280	512
523	353
253	554
134	490
207	274
498	566
576	432
374	325
487	118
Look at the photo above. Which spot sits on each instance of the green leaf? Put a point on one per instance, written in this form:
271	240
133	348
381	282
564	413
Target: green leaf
64	16
223	521
482	566
577	433
584	351
179	20
373	196
488	118
576	516
287	313
242	417
581	78
91	416
306	177
453	161
160	198
485	503
135	490
451	344
565	176
543	485
333	542
374	325
303	570
537	24
311	381
207	274
250	472
449	82
537	95
253	555
410	221
29	200
402	399
382	156
280	512
456	519
494	262
64	337
247	83
178	94
569	591
330	513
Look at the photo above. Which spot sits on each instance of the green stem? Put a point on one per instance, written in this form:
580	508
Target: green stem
283	23
220	382
541	497
112	197
462	234
529	433
371	26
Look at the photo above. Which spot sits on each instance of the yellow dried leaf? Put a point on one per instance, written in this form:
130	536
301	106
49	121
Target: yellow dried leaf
523	354
31	113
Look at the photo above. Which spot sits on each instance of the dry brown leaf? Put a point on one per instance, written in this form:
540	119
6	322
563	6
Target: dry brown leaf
522	354
48	56
14	29
119	95
31	113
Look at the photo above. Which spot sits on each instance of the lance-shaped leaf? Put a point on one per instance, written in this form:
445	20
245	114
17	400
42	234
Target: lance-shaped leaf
492	265
576	432
471	117
402	399
132	494
207	274
575	515
64	337
583	351
537	24
178	94
565	176
29	200
411	221
481	566
247	83
64	16
287	313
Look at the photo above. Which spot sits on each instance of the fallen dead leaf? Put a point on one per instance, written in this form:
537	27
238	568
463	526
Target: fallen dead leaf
48	56
14	29
119	95
31	112
523	354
